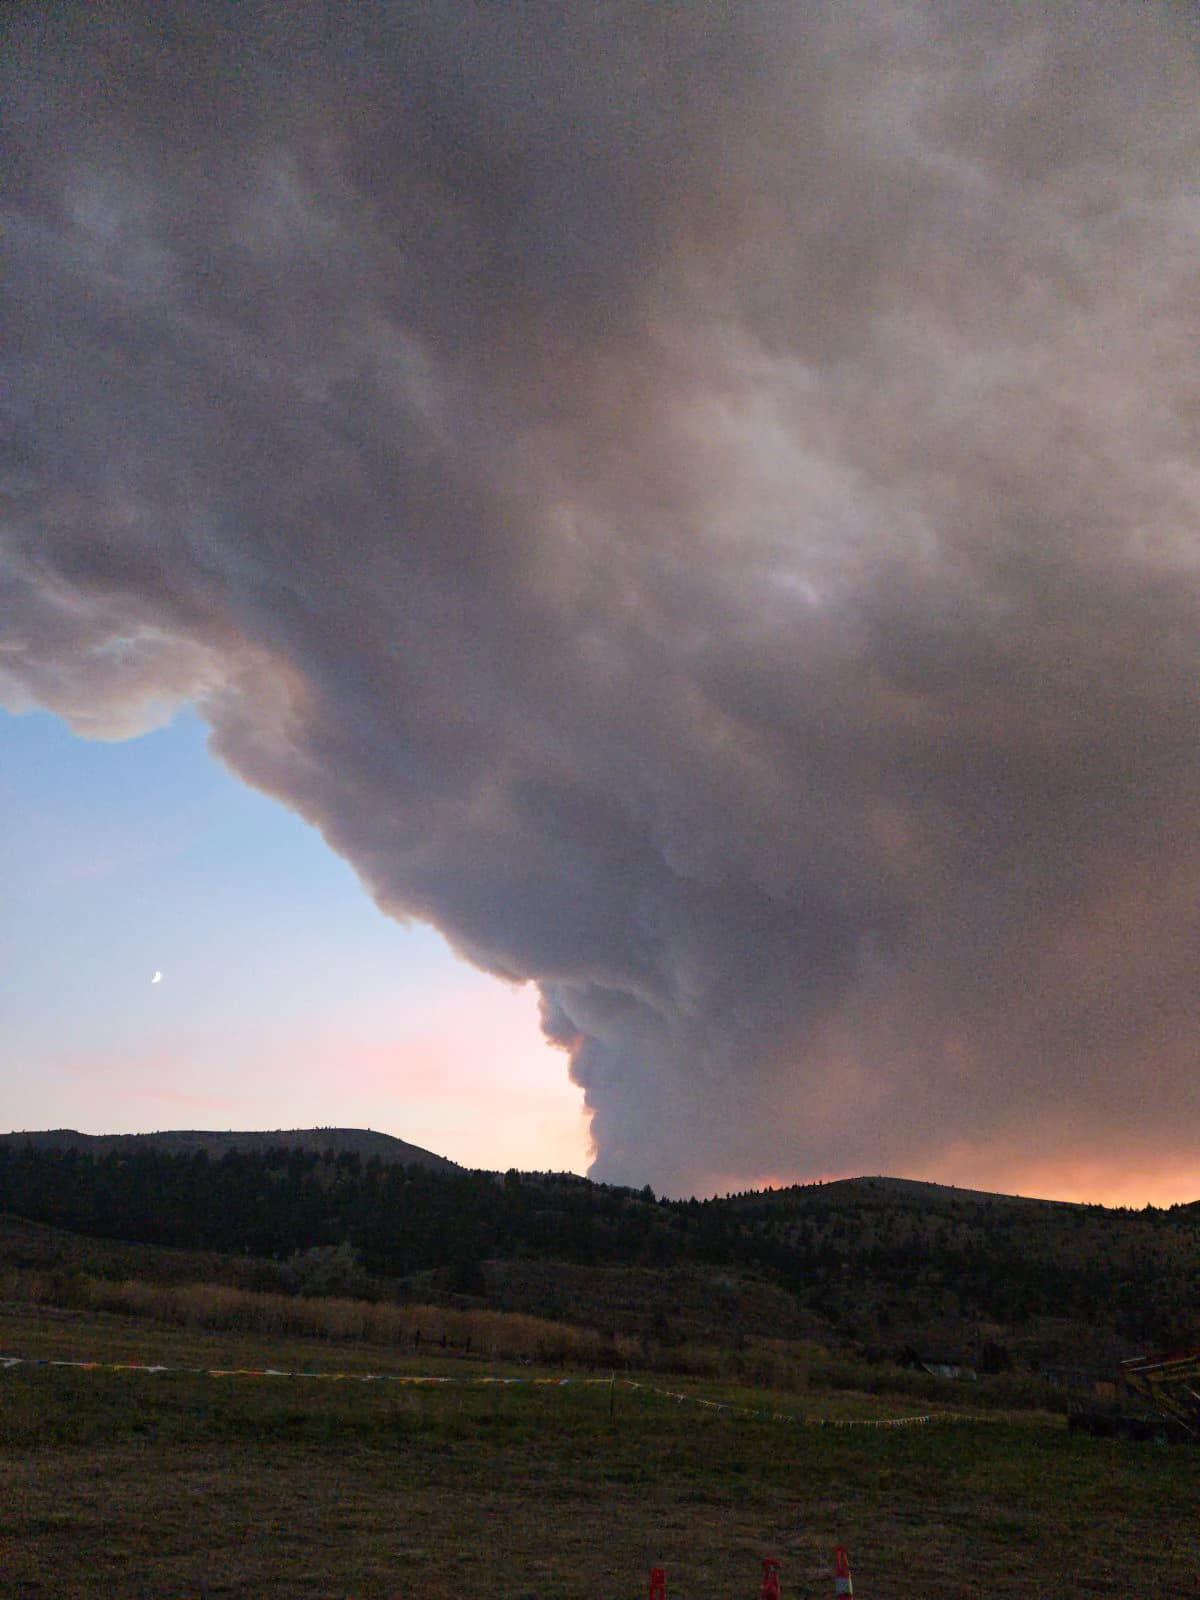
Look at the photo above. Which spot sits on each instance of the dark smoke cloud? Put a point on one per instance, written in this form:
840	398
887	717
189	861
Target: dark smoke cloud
696	501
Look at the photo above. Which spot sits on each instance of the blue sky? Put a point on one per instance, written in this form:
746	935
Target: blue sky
287	997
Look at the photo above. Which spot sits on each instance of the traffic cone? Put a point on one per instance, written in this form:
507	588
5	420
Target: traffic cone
658	1583
770	1588
843	1583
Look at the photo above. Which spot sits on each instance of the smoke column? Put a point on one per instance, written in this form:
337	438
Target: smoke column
697	502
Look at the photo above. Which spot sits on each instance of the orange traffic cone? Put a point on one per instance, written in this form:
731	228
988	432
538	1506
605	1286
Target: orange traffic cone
770	1588
843	1583
658	1583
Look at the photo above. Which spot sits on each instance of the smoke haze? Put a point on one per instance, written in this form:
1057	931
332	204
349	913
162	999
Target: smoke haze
697	502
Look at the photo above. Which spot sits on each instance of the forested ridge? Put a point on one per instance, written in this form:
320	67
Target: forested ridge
870	1254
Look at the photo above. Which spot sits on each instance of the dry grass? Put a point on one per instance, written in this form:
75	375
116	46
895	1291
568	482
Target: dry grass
117	1486
792	1366
493	1335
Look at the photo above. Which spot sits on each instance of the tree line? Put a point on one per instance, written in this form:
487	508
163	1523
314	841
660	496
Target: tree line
855	1254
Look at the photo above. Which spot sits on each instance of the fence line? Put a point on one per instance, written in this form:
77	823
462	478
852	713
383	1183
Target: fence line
7	1362
437	1380
803	1421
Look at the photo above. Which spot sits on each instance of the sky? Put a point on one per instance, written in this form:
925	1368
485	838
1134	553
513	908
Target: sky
618	581
285	997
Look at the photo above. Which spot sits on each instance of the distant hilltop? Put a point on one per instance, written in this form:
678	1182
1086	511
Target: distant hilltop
917	1189
364	1142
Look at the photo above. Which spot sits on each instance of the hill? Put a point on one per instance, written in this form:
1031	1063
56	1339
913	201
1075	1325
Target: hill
363	1142
876	1262
921	1190
58	1256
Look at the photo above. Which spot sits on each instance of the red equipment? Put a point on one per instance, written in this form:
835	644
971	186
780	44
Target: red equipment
770	1587
843	1583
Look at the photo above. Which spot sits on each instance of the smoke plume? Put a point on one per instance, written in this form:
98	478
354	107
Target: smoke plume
698	502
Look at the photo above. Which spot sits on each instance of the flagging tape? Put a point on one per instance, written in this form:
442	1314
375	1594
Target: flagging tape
804	1422
282	1372
435	1380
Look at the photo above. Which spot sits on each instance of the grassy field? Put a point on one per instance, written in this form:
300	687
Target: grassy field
125	1484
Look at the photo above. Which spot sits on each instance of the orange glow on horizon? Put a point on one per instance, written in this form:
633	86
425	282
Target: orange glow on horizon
1079	1181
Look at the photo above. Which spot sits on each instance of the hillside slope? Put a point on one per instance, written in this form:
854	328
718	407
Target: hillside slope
363	1142
878	1263
921	1191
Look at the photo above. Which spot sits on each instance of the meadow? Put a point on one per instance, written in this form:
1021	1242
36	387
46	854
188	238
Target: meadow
122	1484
